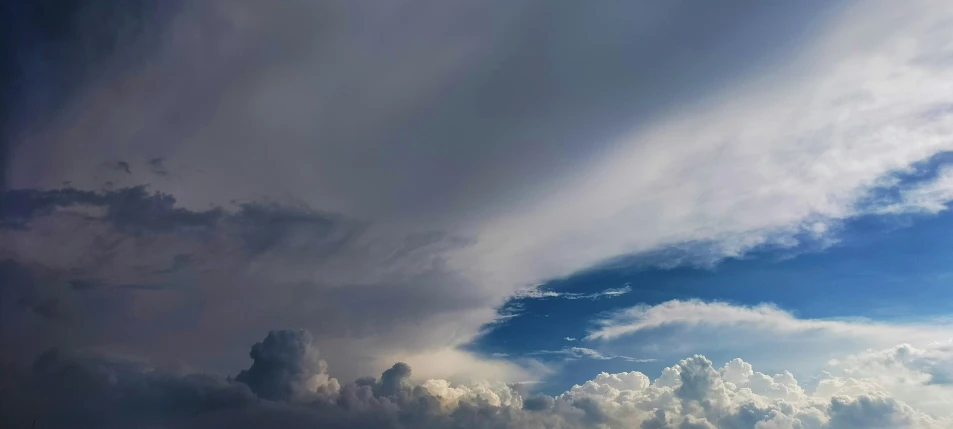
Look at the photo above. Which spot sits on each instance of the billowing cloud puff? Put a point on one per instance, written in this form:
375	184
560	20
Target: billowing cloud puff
854	357
287	385
285	367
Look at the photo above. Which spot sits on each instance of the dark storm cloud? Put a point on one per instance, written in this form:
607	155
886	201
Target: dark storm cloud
50	48
287	386
62	390
409	119
538	403
121	166
393	380
262	226
405	110
126	252
283	365
265	227
157	166
82	284
136	219
132	209
69	390
180	261
48	308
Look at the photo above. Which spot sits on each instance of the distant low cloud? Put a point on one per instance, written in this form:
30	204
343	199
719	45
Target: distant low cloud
919	369
288	386
285	367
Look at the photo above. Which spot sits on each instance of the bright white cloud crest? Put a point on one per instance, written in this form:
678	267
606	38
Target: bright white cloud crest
916	374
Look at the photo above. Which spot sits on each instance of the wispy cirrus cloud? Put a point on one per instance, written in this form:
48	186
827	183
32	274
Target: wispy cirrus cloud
763	317
587	353
541	294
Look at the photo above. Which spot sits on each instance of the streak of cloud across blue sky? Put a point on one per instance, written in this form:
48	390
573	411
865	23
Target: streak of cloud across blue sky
527	214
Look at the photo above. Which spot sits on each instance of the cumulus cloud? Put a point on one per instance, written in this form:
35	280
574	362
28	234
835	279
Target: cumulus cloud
859	352
65	390
285	367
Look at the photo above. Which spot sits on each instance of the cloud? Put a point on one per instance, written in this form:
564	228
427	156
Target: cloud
132	209
930	196
763	317
157	166
620	157
120	166
540	294
861	353
389	149
587	353
918	376
285	367
128	259
785	157
109	391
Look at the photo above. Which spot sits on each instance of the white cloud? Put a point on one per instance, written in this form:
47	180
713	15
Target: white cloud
919	376
930	196
737	390
696	394
539	294
587	353
762	317
790	152
917	372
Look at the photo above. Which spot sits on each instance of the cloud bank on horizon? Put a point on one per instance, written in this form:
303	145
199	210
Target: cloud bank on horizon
181	178
289	385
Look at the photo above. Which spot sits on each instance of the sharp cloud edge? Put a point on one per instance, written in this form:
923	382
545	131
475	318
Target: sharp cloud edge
289	385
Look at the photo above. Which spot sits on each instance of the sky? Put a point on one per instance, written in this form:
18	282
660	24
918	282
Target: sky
520	214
